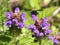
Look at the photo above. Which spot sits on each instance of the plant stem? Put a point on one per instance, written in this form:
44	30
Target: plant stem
40	41
15	39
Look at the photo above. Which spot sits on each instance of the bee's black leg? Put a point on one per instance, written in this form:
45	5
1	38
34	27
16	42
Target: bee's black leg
34	12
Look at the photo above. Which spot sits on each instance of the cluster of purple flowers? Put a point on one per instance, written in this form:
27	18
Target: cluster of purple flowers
55	39
41	26
15	18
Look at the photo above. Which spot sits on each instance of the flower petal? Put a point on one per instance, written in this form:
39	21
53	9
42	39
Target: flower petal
21	25
46	19
36	31
34	17
23	14
32	27
56	41
8	15
48	31
51	37
15	21
8	23
17	10
41	34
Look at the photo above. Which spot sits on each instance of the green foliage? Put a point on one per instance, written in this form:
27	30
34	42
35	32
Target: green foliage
26	37
35	4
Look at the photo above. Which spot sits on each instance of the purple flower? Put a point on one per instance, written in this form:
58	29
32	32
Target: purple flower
40	27
17	10
46	19
41	35
32	27
36	31
8	15
16	19
8	23
51	37
34	17
48	31
23	16
21	25
45	25
55	39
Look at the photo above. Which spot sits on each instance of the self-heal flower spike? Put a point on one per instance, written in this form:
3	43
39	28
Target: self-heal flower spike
15	23
15	18
41	27
55	39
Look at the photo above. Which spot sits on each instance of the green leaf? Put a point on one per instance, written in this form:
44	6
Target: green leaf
35	4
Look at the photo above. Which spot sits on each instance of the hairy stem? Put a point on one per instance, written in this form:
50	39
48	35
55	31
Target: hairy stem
15	40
